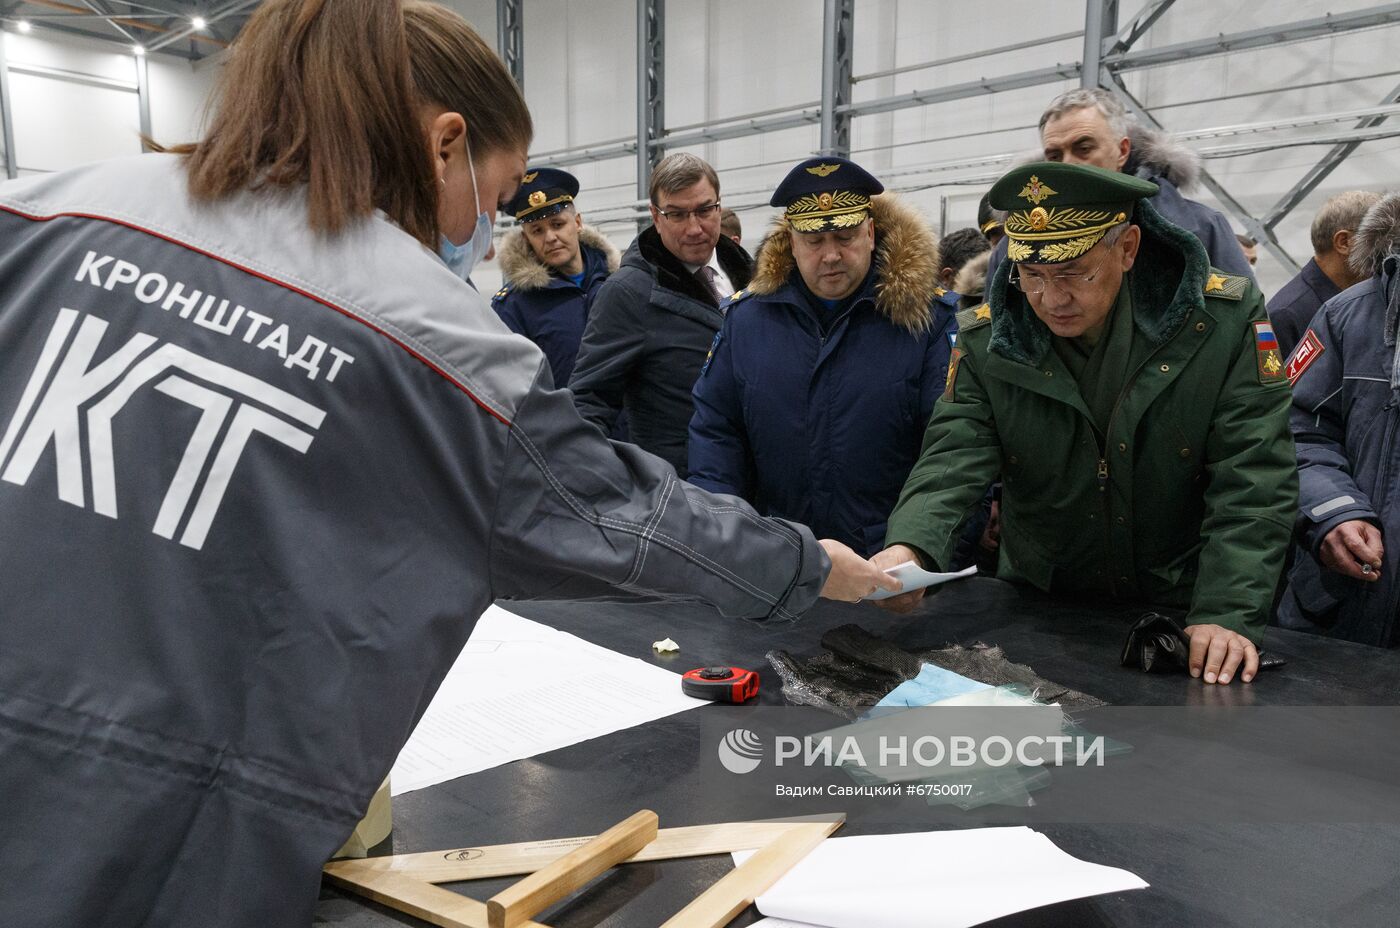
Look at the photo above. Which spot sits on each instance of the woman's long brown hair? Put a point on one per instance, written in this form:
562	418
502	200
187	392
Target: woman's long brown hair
331	95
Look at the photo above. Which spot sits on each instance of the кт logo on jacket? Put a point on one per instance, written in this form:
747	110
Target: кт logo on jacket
73	391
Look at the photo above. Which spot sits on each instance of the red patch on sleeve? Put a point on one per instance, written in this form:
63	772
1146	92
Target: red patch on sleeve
1308	351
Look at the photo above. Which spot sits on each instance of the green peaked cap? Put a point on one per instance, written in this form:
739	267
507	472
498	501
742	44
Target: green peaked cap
1056	212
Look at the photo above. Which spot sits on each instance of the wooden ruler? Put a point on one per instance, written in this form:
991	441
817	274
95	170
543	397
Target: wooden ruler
555	868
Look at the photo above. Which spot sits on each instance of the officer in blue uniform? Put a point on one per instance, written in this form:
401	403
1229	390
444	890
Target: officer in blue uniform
553	265
813	402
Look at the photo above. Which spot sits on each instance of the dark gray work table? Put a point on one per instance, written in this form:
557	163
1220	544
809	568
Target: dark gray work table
1238	872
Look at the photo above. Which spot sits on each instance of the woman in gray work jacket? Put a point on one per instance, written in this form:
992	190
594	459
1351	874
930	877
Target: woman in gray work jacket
263	453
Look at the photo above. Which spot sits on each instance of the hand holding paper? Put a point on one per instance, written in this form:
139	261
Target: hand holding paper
893	556
913	577
852	577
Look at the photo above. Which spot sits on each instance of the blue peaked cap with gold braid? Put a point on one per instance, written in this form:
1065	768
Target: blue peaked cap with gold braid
1056	212
543	192
824	194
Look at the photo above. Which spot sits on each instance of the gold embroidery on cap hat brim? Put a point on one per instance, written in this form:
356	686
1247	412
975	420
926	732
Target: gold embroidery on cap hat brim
827	223
1017	251
1057	252
1059	220
543	204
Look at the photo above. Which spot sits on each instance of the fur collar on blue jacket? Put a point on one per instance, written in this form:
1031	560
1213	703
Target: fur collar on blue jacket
522	270
906	257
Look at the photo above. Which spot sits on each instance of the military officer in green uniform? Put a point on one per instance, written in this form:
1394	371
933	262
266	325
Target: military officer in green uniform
1134	404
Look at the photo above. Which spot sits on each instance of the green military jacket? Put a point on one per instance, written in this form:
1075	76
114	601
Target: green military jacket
1188	499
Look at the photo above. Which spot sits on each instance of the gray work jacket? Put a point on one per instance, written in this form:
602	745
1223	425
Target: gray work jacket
256	486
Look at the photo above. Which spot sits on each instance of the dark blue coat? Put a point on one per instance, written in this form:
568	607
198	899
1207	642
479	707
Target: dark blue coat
548	309
819	428
1294	306
1347	427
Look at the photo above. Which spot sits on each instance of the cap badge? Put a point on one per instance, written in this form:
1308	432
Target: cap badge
1036	192
823	170
537	198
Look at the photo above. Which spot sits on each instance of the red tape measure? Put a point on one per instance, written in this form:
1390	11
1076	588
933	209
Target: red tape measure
720	684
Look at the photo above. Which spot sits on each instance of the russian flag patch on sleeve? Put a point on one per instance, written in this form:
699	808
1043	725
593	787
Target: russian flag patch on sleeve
1266	354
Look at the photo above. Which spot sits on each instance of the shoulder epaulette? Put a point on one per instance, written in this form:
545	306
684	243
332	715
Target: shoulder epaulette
1226	286
972	318
738	296
501	294
939	291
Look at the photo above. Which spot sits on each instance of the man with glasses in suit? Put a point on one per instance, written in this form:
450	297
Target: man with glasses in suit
653	321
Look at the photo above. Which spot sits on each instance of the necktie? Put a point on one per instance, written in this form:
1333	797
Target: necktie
706	275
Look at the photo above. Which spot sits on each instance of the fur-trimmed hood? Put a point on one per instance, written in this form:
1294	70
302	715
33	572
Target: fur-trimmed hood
906	259
522	270
1377	237
1168	282
972	278
1154	154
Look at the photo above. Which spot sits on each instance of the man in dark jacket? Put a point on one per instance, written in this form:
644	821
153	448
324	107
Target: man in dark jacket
1092	127
1134	403
554	266
955	251
819	385
653	321
1346	388
1328	272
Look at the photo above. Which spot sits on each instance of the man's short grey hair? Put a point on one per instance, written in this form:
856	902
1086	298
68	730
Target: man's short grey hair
1106	103
1343	211
1111	237
679	171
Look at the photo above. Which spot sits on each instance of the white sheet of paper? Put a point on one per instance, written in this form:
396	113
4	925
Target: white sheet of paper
519	689
915	577
937	879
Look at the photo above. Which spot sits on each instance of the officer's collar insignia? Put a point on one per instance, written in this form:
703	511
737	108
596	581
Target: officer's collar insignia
823	170
1036	192
529	178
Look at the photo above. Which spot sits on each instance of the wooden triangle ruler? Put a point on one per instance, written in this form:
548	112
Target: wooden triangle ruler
554	869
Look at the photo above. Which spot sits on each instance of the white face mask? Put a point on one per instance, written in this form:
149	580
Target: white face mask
463	259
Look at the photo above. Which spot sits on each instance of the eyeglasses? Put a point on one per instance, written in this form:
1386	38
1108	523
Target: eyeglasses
1034	286
681	216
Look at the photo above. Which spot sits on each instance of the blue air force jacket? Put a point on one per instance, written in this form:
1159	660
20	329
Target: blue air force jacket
821	424
1346	423
256	486
550	310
